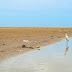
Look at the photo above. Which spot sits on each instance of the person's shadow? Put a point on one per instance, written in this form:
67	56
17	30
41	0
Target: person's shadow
66	50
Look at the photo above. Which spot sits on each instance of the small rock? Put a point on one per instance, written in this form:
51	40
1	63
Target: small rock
38	46
23	46
5	44
51	36
1	51
58	37
38	49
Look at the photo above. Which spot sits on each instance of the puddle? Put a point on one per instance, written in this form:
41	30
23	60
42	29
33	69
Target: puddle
53	58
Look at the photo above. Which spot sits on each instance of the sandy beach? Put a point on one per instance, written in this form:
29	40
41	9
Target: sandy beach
11	38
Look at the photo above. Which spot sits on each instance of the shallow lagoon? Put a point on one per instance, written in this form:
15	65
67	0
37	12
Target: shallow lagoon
53	58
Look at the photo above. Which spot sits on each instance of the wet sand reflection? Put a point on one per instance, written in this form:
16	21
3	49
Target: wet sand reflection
66	50
67	44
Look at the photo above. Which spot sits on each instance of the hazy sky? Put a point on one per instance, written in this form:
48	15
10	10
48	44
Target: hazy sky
36	13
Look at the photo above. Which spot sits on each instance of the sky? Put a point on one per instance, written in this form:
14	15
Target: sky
36	13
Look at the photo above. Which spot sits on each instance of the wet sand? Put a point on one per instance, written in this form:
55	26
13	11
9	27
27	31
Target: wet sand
38	36
52	58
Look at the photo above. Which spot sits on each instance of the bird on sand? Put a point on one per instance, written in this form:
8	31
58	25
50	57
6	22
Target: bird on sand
66	36
67	39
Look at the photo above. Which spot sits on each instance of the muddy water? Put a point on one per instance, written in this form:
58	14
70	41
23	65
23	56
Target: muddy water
53	58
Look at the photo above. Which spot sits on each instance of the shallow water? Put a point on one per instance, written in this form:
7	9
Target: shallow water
53	58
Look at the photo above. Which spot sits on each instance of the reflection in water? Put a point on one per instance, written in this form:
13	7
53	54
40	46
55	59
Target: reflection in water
66	50
66	44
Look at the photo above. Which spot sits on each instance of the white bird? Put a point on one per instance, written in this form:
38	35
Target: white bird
67	39
66	36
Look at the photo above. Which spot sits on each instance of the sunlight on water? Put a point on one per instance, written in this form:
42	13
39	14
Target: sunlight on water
53	58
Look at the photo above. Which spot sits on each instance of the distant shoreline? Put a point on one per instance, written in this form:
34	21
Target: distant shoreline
30	27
